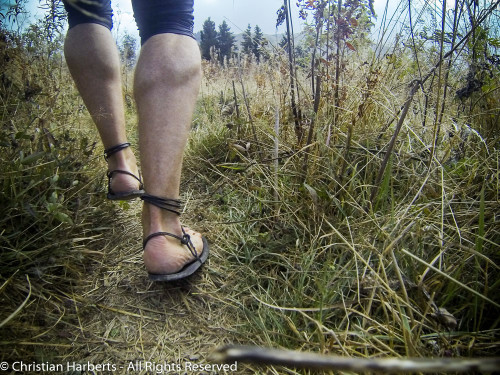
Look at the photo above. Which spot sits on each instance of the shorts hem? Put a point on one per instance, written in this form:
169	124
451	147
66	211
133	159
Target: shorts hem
177	32
97	22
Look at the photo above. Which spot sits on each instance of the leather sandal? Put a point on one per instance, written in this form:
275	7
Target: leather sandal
124	195
174	205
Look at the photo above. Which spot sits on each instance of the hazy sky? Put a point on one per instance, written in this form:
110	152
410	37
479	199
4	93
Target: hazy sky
237	13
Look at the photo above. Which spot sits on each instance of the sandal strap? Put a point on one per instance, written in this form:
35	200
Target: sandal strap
113	150
172	205
110	174
185	240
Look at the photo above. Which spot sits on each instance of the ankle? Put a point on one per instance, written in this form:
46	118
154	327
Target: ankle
124	160
155	219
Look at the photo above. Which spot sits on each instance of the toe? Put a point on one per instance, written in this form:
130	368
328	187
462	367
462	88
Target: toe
192	232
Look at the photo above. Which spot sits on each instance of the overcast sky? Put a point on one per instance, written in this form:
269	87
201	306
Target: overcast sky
237	13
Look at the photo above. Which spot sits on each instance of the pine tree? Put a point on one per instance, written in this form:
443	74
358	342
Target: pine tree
247	44
128	57
258	38
208	38
283	43
128	51
225	41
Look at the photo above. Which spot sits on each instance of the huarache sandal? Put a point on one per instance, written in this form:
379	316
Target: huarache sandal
123	195
174	205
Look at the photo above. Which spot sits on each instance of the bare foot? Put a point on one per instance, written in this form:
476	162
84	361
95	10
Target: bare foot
165	254
123	160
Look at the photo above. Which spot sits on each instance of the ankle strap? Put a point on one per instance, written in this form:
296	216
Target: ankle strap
172	205
113	150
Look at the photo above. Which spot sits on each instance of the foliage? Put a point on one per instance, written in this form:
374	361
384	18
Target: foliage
55	17
11	14
222	43
304	254
320	268
128	52
217	44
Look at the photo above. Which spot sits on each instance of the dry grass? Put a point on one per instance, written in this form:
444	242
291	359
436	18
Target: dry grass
322	270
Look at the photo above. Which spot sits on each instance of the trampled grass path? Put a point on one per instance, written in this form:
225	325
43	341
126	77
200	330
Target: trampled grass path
127	320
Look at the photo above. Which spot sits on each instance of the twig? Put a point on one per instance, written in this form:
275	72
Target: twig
336	97
313	121
415	85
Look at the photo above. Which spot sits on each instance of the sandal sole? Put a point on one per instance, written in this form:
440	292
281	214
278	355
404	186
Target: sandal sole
125	196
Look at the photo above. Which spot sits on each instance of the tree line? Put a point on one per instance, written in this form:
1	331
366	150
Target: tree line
222	45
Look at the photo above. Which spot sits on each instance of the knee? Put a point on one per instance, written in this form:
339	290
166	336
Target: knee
89	47
168	67
182	70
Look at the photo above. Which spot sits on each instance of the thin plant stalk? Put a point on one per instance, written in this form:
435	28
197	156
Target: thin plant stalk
250	119
298	130
337	74
276	151
317	95
237	107
436	131
448	67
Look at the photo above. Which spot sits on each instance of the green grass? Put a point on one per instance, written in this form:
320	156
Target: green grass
51	190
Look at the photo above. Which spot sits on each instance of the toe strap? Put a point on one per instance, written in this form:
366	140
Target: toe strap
186	240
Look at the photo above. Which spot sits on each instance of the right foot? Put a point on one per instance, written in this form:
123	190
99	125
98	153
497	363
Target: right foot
164	254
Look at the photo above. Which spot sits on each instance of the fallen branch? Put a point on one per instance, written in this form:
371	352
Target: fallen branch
290	358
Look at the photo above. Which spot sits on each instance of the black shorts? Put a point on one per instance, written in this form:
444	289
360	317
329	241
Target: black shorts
152	16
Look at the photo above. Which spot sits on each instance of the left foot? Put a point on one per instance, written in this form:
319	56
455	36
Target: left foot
123	160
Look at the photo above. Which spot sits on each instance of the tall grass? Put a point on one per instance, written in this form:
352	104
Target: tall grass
52	182
324	269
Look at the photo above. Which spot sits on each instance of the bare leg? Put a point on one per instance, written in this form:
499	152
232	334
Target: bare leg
94	63
166	86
